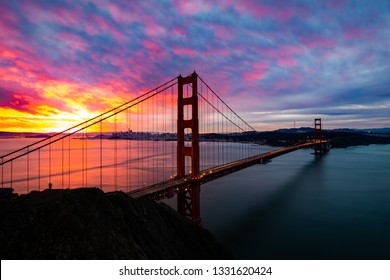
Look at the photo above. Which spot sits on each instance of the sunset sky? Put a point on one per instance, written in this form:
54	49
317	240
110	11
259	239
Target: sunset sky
274	62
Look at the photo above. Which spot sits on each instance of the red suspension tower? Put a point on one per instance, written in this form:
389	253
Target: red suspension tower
188	200
320	147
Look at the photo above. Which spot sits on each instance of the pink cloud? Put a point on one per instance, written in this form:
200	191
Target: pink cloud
65	16
217	52
258	72
317	42
278	11
37	14
280	85
248	76
184	51
285	56
179	31
152	27
20	101
8	22
72	17
292	84
192	7
286	62
225	4
296	80
355	33
336	5
21	66
156	51
8	54
367	58
223	33
283	51
74	41
253	7
121	14
97	24
288	50
260	67
17	96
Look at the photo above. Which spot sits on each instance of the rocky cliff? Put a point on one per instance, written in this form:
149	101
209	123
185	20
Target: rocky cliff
89	224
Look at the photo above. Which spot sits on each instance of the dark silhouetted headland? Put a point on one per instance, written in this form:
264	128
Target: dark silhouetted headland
89	224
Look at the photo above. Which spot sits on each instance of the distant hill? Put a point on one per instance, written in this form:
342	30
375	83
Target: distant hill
343	137
289	137
365	130
295	130
4	134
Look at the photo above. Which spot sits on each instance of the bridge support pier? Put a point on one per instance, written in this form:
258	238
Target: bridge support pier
188	200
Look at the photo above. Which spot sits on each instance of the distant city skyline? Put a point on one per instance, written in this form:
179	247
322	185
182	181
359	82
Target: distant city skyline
278	64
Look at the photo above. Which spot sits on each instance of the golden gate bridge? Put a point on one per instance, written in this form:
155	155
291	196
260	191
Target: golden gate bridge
166	142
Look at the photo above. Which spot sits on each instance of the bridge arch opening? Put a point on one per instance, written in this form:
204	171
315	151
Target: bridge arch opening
187	112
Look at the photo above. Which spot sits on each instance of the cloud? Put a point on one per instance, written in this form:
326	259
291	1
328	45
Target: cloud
192	7
269	56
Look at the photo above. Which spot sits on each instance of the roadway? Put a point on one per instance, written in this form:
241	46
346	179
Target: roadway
170	187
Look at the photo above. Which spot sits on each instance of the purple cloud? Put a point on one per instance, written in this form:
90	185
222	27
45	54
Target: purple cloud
260	56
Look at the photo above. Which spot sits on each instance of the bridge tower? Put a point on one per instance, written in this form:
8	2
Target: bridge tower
320	147
188	200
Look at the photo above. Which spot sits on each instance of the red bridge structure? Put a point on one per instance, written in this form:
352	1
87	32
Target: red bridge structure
166	142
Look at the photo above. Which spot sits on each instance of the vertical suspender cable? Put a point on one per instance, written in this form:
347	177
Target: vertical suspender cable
82	159
165	132
145	165
149	175
127	148
62	165
209	125
39	169
219	143
11	172
202	131
214	128
69	158
130	158
115	153
155	143
2	173
142	143
138	146
173	131
101	152
50	163
224	135
86	155
28	171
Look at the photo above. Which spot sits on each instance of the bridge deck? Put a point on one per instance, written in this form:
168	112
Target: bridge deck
167	188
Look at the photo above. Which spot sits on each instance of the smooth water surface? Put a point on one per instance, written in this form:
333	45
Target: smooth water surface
300	207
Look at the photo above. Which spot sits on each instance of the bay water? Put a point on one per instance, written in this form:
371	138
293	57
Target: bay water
302	207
